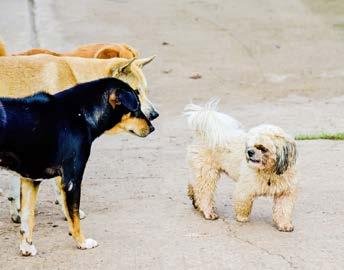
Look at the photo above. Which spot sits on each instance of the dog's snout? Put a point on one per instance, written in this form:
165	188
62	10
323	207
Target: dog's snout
153	115
250	152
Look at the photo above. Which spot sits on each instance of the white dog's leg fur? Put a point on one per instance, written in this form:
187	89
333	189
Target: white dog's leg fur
282	211
243	200
14	199
202	192
29	191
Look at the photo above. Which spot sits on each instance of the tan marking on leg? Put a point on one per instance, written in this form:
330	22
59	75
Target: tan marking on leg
73	221
74	226
29	191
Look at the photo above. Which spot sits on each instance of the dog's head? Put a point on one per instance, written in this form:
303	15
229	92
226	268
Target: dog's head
127	113
269	148
130	71
116	50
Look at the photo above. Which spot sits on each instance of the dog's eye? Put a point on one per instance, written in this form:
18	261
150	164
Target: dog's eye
262	148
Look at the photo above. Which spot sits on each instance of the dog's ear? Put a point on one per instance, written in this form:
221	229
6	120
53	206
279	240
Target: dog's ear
113	99
107	52
126	98
285	156
144	61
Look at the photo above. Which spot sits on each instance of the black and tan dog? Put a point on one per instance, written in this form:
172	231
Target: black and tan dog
44	136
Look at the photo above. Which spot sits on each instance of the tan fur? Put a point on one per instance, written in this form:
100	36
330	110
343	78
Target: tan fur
21	76
73	221
137	126
29	191
2	48
252	179
99	50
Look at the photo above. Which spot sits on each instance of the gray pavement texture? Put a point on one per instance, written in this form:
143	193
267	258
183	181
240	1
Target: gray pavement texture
272	61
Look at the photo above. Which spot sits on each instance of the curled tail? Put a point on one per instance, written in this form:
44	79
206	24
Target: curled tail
2	48
214	127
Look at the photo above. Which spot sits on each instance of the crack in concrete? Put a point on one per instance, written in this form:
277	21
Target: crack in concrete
33	24
233	233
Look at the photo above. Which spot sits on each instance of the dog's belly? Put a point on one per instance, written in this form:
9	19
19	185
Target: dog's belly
12	162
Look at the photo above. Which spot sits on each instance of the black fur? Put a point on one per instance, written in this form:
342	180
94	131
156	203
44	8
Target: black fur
286	157
43	136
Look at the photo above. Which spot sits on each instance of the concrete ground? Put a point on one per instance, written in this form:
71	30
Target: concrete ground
279	62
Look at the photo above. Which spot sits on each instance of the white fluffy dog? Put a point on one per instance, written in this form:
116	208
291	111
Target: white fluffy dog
260	161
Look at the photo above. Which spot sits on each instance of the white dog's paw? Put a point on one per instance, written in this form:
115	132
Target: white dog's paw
288	227
242	219
82	214
27	250
88	244
211	215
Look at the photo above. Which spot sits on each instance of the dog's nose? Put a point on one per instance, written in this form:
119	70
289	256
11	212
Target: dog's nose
250	152
153	115
151	129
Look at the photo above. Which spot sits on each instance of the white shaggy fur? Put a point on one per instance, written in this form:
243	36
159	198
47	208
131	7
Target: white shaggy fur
260	161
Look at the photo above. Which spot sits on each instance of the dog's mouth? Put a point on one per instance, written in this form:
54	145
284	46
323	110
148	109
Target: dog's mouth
254	160
142	134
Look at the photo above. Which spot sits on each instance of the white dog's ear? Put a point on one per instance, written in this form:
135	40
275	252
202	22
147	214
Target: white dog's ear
285	156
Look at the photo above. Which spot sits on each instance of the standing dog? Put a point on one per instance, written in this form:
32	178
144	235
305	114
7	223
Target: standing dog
23	75
59	130
260	161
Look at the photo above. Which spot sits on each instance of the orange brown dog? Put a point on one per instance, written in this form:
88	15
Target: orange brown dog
98	50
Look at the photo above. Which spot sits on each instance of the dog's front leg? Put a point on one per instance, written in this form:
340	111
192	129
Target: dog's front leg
71	201
29	190
58	190
243	201
14	199
282	210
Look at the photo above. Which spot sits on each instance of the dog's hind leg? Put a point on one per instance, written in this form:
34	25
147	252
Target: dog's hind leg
14	199
58	190
282	211
29	191
203	191
70	195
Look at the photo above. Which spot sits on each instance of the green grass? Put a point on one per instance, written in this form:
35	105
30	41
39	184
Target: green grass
322	136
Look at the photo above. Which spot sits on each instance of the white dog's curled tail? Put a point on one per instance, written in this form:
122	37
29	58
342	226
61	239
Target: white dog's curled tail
216	128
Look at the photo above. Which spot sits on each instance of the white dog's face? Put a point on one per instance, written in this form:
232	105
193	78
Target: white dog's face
269	148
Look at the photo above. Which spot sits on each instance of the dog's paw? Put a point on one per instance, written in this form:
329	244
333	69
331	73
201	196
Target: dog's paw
288	227
82	214
15	218
88	244
210	215
242	219
27	250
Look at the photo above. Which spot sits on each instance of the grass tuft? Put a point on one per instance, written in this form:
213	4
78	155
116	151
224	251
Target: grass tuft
322	136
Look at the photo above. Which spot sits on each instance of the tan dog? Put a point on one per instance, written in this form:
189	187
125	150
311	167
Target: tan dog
21	76
260	161
99	50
